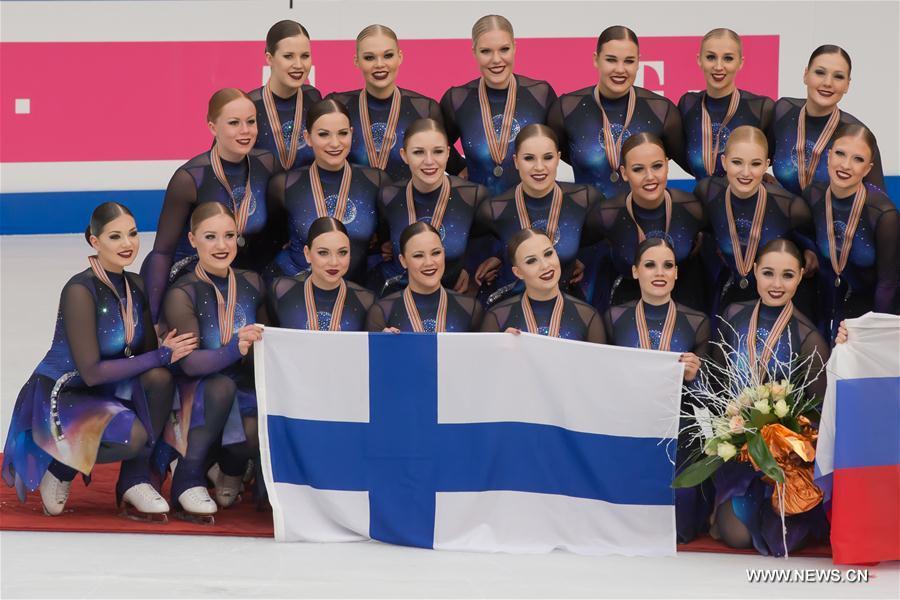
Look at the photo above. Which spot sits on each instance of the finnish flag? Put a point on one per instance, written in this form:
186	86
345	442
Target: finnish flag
483	442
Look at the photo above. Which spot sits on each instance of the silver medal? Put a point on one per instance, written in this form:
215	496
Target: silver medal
837	281
614	176
498	171
744	283
241	242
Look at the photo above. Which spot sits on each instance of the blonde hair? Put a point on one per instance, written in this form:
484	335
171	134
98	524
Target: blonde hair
724	32
373	30
747	133
218	101
491	23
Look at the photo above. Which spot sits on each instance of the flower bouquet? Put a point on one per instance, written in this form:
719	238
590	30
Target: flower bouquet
762	416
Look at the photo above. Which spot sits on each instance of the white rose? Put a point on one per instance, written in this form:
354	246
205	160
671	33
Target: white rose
762	392
733	409
762	406
781	409
726	451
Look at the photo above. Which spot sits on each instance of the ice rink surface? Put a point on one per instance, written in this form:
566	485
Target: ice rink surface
33	270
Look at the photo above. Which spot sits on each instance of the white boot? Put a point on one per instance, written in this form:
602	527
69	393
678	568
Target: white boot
228	489
196	501
54	494
145	499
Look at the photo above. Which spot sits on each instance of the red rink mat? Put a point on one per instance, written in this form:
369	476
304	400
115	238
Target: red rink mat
92	509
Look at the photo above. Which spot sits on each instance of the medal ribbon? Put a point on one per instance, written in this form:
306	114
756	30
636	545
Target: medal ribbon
613	145
555	316
312	314
126	306
286	154
628	206
665	340
242	210
225	308
744	260
839	262
413	313
440	207
319	194
710	151
555	210
762	363
497	147
806	172
379	158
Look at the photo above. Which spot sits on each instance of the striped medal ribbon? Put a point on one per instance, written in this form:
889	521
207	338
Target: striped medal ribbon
242	210
440	207
839	261
710	150
806	171
744	260
286	154
555	316
611	144
555	210
319	194
497	147
665	340
629	201
312	314
225	308
379	158
761	364
415	320
126	306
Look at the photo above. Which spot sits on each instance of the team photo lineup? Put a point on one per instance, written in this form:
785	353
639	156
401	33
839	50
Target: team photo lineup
383	210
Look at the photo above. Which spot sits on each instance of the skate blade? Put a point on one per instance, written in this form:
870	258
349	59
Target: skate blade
133	514
195	518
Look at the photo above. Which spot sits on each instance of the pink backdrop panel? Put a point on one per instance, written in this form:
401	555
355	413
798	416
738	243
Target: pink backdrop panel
147	100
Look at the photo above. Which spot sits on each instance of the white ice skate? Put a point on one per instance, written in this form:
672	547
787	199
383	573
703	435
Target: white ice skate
142	502
54	494
196	506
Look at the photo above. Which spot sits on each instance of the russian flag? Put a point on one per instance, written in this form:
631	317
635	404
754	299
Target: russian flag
858	453
483	442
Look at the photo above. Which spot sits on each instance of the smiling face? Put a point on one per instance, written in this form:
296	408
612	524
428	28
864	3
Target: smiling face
426	153
329	258
617	65
849	161
378	58
646	170
423	258
745	164
777	276
235	129
827	79
537	161
290	64
215	239
656	274
537	265
496	54
118	244
720	59
330	140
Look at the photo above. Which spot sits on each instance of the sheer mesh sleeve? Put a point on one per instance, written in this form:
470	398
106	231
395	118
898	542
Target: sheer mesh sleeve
277	228
477	315
262	310
766	114
279	287
594	228
876	175
179	314
701	336
490	324
449	117
181	195
556	122
80	322
596	332
814	345
887	231
376	320
149	342
673	137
